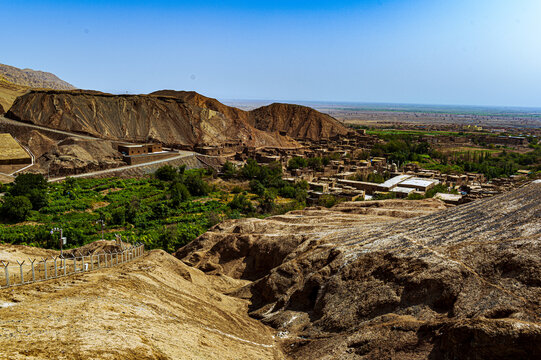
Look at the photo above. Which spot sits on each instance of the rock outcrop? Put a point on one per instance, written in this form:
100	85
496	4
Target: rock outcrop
2	112
299	122
356	282
75	156
170	120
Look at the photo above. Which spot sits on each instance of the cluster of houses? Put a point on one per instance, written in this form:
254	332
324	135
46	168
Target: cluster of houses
341	174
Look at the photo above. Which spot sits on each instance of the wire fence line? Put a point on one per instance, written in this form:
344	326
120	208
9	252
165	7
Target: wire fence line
54	267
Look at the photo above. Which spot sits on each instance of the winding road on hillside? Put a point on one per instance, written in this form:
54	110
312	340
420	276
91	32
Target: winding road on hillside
20	123
181	153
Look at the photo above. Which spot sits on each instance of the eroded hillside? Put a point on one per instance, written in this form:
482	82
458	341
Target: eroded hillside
15	82
169	120
152	308
459	283
299	122
173	118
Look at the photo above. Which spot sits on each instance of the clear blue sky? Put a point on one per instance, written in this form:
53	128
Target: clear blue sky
484	52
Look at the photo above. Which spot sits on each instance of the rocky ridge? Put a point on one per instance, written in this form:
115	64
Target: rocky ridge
32	78
297	121
165	119
354	282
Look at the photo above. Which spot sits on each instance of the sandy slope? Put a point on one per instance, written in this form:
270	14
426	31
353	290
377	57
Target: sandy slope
153	308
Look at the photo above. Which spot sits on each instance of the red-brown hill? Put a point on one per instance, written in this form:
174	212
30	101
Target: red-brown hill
299	122
171	120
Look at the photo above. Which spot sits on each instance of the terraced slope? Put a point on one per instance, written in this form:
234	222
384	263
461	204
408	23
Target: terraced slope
463	283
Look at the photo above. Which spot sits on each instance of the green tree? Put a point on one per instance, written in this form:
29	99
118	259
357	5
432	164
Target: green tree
315	163
196	185
16	208
240	202
257	187
179	193
297	162
166	173
250	170
229	170
33	187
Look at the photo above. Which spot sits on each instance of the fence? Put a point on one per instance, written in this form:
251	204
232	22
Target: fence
59	266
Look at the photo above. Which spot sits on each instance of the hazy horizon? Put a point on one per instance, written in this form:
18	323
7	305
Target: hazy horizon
415	52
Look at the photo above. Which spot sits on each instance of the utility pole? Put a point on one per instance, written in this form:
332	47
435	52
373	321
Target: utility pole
102	222
62	239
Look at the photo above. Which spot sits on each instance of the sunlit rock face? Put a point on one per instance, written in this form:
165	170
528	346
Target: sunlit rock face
398	279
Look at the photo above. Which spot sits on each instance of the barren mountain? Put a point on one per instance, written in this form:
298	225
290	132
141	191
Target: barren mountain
295	120
15	82
169	120
353	283
32	78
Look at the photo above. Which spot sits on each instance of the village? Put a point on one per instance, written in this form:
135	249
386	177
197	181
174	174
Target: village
341	167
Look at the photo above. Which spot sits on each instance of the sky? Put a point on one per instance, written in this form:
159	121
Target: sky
459	52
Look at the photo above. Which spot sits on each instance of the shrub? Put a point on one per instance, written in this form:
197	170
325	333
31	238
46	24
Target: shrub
327	200
240	202
415	196
166	173
236	190
229	170
385	196
196	185
179	193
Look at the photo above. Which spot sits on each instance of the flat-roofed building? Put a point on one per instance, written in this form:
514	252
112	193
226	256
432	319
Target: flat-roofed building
394	181
402	192
139	149
419	184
